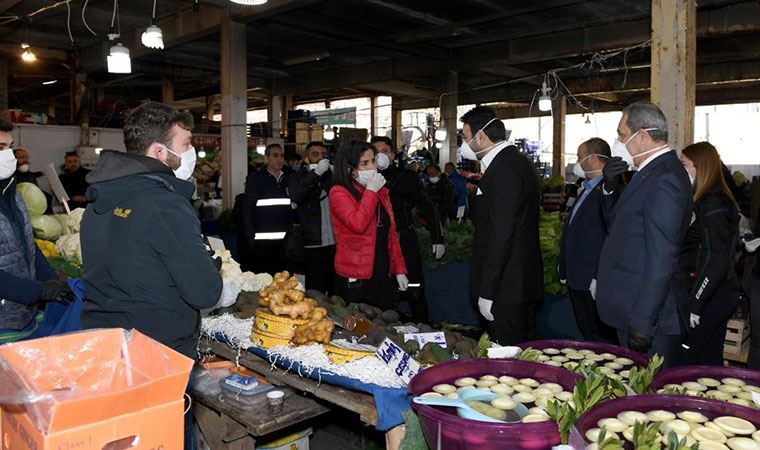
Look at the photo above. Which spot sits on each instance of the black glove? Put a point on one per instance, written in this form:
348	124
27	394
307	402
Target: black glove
639	342
55	291
612	171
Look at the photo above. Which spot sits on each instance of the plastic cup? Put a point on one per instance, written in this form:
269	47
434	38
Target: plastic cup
275	400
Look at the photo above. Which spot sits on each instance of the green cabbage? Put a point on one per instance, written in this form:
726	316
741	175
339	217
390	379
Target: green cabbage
46	227
36	203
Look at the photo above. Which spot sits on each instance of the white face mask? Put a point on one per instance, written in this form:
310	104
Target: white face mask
382	161
7	164
619	149
365	176
580	173
434	180
642	153
313	166
23	168
467	151
187	166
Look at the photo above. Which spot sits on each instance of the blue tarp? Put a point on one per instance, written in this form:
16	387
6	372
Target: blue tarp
389	402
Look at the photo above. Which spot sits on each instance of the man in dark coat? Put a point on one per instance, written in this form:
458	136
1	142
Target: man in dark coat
406	194
74	180
507	275
640	291
27	281
267	214
582	239
309	189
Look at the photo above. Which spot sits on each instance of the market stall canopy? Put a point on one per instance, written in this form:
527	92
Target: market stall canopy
330	49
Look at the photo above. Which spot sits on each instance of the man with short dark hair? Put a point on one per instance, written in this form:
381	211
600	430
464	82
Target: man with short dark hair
309	189
582	238
507	269
267	213
27	283
407	193
639	287
74	180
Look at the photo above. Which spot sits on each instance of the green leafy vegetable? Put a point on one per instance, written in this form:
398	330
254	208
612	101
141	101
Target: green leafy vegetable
483	345
640	378
458	240
34	198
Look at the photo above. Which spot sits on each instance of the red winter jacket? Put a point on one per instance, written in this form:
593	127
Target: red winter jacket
355	225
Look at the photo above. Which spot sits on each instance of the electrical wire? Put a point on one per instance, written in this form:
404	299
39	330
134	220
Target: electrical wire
154	11
84	21
113	16
68	23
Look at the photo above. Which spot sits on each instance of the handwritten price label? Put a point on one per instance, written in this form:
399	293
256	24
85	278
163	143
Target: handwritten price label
403	365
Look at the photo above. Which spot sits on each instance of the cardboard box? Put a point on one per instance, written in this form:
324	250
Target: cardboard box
93	390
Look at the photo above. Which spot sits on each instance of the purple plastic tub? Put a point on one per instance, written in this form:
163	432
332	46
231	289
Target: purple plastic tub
639	359
645	403
445	430
678	375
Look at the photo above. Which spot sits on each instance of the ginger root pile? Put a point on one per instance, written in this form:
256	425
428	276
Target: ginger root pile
283	299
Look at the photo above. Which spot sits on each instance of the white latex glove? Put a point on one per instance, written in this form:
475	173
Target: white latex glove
322	167
439	250
563	282
403	282
592	288
460	212
693	320
484	305
376	183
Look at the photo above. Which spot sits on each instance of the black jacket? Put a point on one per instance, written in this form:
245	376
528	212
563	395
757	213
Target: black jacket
708	250
75	183
145	264
407	193
442	196
507	264
258	217
307	189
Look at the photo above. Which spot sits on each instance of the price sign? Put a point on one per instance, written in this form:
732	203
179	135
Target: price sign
424	338
398	360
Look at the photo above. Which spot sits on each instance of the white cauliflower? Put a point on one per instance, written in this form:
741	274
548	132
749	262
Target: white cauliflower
71	222
248	281
70	248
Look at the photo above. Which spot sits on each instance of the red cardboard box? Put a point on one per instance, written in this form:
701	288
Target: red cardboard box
92	390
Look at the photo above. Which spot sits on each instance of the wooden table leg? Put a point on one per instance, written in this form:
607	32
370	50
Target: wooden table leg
394	436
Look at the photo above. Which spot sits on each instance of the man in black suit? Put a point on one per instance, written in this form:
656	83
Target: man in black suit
639	290
582	238
507	275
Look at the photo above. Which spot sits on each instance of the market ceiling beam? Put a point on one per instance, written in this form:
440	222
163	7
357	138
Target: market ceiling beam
735	18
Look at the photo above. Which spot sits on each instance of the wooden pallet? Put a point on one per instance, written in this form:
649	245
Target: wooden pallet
736	345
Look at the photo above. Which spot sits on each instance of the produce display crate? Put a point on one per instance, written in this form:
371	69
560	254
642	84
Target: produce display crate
736	344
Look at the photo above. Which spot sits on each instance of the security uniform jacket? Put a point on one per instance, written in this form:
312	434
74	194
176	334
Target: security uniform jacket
507	264
267	211
639	284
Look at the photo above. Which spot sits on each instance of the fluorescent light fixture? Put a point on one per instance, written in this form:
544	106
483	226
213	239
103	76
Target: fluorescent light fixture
118	60
201	154
249	2
545	101
152	37
49	82
329	134
311	57
440	134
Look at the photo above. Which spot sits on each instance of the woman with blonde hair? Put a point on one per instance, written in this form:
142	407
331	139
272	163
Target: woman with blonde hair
707	256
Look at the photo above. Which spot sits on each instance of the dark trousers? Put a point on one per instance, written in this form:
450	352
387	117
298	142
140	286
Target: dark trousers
513	324
705	342
376	291
667	346
320	269
752	288
415	296
269	257
590	325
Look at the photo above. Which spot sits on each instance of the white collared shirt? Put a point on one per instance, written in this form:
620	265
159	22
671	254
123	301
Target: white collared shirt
652	158
490	156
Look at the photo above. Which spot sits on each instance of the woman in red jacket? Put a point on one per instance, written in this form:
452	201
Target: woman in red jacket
368	254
